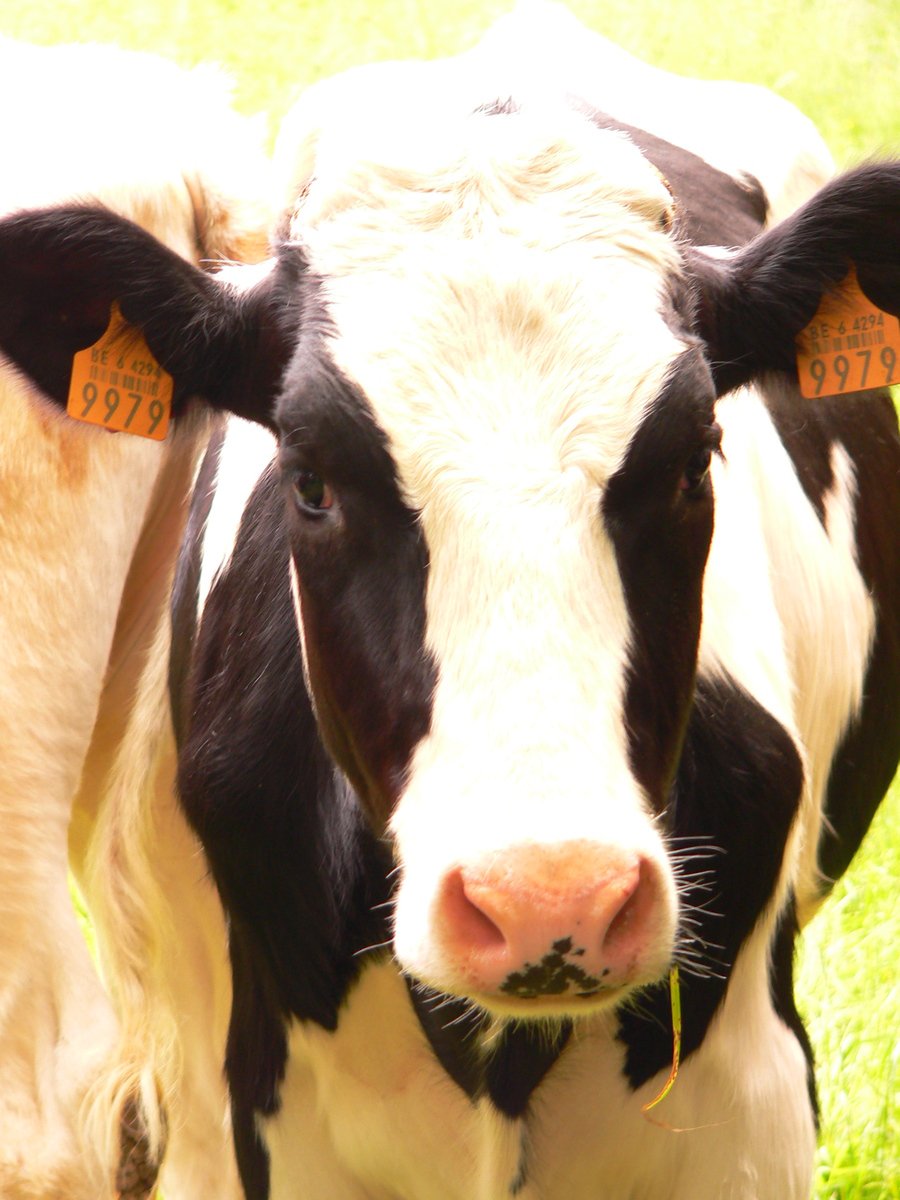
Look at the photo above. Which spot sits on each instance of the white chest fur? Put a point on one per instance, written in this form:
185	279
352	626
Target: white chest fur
369	1114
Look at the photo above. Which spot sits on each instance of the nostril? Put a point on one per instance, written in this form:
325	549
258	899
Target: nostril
537	921
629	924
464	908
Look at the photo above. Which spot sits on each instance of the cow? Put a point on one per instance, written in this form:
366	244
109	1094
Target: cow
90	525
531	634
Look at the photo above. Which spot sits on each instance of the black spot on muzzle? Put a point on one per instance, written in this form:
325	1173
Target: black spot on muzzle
553	975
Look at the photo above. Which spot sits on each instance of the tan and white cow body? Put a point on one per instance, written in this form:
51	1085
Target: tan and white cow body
89	525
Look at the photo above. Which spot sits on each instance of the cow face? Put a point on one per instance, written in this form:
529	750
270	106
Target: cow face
500	514
495	433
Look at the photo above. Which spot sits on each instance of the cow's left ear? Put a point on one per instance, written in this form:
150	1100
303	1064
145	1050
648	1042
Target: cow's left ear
752	307
61	269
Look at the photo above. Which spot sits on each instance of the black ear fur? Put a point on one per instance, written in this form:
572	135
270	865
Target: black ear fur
60	271
750	308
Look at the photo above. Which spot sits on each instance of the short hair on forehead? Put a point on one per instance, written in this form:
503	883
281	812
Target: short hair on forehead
543	179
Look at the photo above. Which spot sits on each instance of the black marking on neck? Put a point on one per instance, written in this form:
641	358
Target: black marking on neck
520	1179
508	1071
864	425
518	1065
735	798
453	1029
781	989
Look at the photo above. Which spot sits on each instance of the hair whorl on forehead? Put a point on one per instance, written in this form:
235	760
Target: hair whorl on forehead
545	179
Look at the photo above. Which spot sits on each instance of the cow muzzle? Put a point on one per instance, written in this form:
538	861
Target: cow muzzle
537	931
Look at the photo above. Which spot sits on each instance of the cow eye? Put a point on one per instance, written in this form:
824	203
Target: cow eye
312	492
696	469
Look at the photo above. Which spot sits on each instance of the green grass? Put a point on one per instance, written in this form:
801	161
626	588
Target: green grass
848	986
838	60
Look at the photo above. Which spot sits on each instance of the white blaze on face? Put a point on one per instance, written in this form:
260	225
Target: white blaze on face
502	315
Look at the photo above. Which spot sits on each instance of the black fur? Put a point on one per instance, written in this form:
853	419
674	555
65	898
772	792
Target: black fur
362	573
290	810
61	270
753	306
735	796
661	537
712	208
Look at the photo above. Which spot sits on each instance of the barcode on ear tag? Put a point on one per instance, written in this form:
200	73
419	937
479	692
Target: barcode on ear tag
849	346
118	384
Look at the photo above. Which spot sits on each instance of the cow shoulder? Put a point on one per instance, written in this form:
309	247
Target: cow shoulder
845	451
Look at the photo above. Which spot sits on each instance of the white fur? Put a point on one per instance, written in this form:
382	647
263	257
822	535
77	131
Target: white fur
476	276
389	1124
541	50
84	568
489	339
246	451
372	1116
786	610
439	278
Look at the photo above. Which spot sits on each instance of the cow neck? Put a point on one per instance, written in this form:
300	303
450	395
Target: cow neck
508	1071
733	748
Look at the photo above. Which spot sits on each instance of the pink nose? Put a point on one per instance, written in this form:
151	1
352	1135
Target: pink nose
572	919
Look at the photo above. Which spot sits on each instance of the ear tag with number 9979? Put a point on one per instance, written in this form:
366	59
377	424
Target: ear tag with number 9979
849	346
118	384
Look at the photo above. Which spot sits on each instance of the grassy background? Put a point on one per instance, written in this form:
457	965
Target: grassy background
836	59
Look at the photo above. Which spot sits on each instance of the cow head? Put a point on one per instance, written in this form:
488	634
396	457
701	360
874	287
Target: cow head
493	377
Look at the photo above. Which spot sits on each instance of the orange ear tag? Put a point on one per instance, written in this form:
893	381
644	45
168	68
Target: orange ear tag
119	385
849	346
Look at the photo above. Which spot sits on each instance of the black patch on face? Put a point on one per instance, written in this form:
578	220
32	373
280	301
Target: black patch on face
362	569
280	826
733	803
661	538
713	208
554	975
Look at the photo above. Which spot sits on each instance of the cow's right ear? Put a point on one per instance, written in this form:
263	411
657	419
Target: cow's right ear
61	269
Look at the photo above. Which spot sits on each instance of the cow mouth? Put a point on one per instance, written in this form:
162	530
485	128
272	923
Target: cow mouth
571	1005
557	986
